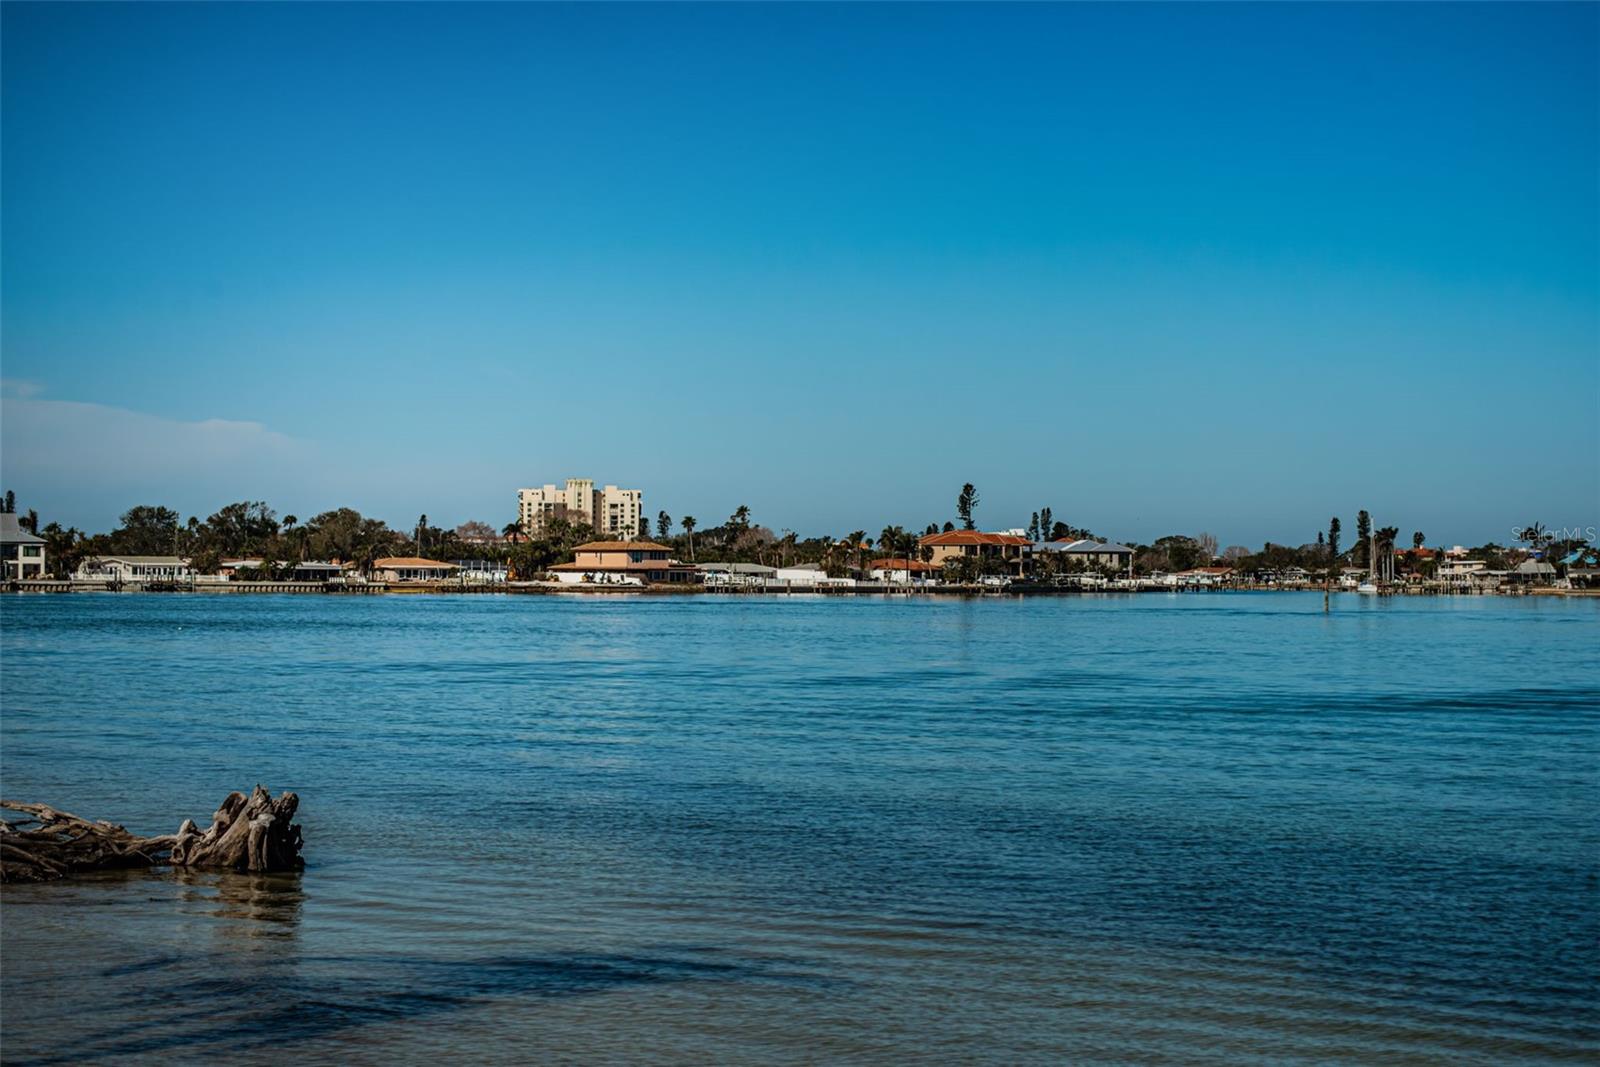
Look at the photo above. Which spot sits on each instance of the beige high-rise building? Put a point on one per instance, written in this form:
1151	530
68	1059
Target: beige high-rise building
620	512
609	511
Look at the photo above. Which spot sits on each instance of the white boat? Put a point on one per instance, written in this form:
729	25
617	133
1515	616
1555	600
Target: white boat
1367	587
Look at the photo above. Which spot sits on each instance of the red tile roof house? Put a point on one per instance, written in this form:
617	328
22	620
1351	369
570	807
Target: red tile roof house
623	563
1009	549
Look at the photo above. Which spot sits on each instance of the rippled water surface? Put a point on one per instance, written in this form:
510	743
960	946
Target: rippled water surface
1184	829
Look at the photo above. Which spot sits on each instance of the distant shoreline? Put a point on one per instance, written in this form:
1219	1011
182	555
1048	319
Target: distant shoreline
860	589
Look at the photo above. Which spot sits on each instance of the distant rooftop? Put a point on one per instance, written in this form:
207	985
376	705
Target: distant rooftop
1083	545
12	533
972	537
735	568
896	564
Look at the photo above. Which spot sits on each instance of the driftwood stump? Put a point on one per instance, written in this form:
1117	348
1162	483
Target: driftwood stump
253	833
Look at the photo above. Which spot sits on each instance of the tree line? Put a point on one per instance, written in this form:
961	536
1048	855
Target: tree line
254	530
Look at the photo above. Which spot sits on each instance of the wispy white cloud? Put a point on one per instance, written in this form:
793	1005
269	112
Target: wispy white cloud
20	387
84	463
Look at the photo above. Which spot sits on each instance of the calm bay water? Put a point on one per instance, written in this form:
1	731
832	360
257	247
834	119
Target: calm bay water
1197	829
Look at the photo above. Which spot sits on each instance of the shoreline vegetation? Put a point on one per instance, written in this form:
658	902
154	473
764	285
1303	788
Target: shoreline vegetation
878	589
246	546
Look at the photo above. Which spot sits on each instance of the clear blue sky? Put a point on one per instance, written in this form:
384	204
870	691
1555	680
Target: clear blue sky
1163	268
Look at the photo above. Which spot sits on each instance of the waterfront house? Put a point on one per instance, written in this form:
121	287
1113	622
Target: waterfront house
22	550
1095	553
1294	576
1534	572
1198	577
747	574
1413	562
904	571
1582	567
313	571
235	569
809	574
412	569
623	563
482	571
134	569
1009	550
1453	567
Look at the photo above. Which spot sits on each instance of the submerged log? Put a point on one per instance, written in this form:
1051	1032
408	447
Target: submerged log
254	833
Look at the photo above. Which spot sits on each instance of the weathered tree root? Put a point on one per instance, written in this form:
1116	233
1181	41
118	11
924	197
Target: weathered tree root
253	833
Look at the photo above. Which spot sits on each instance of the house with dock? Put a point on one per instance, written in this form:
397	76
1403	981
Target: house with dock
623	563
811	576
1203	577
134	569
740	574
1458	568
21	548
482	571
1094	553
1010	551
412	569
1533	572
904	571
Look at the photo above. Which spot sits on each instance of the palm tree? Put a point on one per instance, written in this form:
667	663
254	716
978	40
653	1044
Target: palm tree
856	537
1417	540
663	525
887	539
1385	562
905	547
688	523
289	534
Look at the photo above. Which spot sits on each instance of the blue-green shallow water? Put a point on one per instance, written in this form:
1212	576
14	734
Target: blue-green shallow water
1189	829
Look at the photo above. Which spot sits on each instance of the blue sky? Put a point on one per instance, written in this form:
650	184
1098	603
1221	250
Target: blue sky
1164	268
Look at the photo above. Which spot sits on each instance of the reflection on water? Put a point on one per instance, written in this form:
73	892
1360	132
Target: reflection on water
1187	829
268	904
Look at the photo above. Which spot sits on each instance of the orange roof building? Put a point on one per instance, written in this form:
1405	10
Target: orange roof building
959	538
623	563
1010	550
